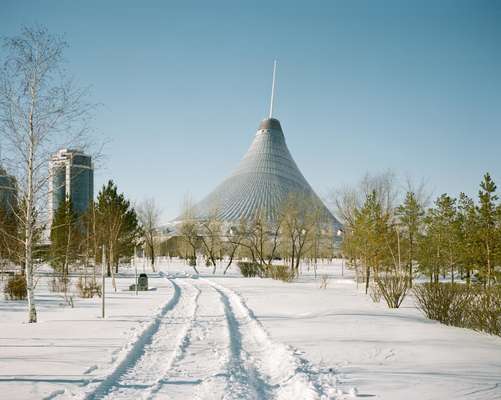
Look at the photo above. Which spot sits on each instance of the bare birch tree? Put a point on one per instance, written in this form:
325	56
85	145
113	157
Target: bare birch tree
40	110
188	230
149	217
210	234
298	223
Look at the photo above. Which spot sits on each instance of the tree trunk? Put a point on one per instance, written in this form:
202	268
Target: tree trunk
367	277
32	312
152	249
411	245
112	261
231	259
195	260
488	264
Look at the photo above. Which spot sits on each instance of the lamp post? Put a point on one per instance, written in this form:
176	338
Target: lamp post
135	269
339	234
103	281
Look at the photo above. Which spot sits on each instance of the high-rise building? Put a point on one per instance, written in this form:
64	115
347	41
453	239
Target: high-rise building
71	176
8	191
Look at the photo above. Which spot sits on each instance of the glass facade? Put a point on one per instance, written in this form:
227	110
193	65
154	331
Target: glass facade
82	187
58	185
72	176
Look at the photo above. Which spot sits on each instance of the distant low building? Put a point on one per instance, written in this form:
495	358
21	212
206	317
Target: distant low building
71	176
8	191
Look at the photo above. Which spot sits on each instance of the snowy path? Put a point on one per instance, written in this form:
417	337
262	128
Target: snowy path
206	344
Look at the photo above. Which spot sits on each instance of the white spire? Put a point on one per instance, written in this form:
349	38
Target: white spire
273	88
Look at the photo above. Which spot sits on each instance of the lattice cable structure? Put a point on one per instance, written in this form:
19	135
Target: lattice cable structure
262	181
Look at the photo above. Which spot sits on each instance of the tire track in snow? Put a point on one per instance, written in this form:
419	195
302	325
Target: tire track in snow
130	377
260	368
219	362
198	371
243	377
212	348
182	343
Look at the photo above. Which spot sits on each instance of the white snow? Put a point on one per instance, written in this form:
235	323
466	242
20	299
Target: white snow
227	337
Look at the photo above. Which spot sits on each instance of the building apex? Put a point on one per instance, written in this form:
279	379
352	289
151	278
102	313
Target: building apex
270	123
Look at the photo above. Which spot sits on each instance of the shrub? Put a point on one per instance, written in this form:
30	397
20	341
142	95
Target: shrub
467	306
87	289
249	269
280	272
15	288
444	302
324	281
59	284
485	311
393	288
374	292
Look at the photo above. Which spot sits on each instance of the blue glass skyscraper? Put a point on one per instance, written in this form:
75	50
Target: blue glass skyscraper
71	176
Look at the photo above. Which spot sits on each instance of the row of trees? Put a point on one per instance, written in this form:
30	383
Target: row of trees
454	238
41	111
110	223
300	231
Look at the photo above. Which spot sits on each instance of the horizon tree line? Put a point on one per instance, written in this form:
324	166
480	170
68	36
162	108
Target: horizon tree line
390	244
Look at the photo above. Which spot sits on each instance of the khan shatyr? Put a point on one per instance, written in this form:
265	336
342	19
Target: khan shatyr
263	180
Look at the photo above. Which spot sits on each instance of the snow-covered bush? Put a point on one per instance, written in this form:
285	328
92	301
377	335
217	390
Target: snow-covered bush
280	272
444	302
15	288
374	292
59	284
88	288
467	306
324	281
393	288
485	311
249	269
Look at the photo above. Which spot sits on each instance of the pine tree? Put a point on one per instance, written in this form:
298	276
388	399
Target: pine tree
371	235
440	246
410	215
118	225
468	249
10	237
488	232
65	237
448	224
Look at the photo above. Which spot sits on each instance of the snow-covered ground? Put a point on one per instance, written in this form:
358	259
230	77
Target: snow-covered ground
215	337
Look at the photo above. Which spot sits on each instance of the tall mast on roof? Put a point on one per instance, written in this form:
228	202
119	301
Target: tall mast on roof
273	89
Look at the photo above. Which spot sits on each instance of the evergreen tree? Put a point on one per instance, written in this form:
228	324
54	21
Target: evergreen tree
468	250
371	236
448	224
488	227
65	237
439	248
410	215
118	225
10	237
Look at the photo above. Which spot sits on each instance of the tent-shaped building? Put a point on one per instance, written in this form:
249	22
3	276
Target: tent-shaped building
263	180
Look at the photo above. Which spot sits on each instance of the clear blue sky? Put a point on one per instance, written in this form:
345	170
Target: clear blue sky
362	86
